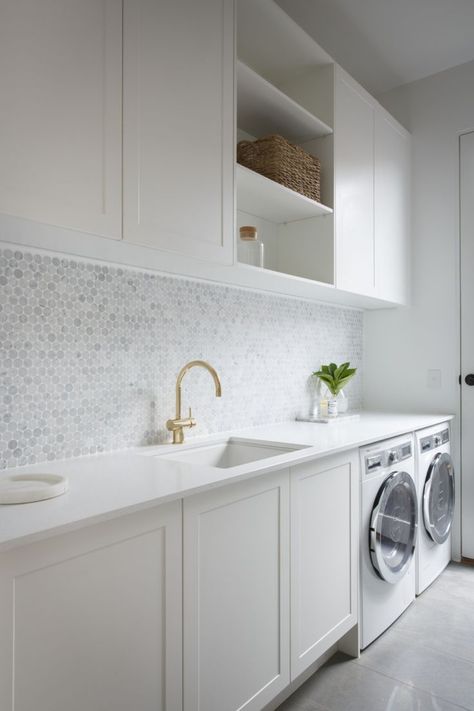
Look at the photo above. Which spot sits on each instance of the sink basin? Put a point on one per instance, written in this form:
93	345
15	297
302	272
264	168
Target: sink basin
231	453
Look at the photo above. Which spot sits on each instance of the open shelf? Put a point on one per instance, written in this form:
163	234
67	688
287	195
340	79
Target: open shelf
267	199
274	44
277	274
287	284
262	109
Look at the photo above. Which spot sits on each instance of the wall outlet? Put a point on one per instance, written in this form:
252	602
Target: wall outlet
433	379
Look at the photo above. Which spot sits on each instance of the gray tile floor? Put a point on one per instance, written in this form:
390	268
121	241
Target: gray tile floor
424	662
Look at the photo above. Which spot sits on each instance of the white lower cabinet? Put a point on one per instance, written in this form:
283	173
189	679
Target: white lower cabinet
91	620
236	595
187	606
324	556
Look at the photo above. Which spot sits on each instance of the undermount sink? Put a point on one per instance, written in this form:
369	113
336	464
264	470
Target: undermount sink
231	453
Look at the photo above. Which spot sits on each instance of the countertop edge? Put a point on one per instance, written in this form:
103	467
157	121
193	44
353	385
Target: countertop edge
11	541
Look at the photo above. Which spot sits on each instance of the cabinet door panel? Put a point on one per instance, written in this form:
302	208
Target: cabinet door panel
60	142
178	126
236	643
92	619
324	535
392	209
354	188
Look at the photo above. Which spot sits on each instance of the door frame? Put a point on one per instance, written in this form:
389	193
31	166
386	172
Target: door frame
459	507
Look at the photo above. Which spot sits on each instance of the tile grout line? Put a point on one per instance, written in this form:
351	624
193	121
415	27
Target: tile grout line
408	685
412	686
437	651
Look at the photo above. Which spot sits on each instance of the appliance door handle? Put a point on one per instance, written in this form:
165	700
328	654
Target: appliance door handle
469	379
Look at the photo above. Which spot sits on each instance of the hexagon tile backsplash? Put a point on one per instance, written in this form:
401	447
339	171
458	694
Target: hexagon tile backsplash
89	355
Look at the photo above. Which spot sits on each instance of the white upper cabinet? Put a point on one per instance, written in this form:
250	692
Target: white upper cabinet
354	187
362	248
179	126
372	165
118	119
61	109
392	208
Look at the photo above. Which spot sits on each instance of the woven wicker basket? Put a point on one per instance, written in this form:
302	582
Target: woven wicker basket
281	161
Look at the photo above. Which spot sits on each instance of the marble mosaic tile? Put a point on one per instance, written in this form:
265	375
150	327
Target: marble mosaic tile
89	355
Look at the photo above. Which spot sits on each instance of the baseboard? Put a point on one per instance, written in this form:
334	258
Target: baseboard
467	561
304	676
350	643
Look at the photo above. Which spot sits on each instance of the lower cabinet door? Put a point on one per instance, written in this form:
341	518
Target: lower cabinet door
324	554
91	620
236	595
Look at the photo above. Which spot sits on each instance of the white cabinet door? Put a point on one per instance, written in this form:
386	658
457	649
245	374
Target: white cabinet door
354	186
236	595
61	113
324	555
392	209
92	619
179	125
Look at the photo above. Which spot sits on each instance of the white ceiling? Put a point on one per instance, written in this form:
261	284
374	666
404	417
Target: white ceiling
385	43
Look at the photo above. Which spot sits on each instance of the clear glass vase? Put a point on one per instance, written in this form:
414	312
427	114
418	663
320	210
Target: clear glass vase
342	402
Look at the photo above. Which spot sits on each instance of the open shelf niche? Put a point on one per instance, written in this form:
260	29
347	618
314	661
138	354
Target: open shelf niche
293	99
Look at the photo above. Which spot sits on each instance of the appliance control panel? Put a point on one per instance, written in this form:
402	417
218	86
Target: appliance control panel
435	440
387	457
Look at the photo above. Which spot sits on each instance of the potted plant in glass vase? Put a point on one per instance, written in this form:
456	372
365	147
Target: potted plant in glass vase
335	378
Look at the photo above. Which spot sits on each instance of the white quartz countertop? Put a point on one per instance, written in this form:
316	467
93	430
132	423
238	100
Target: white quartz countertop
108	485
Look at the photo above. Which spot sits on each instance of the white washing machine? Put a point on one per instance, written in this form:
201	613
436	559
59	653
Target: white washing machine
389	519
435	488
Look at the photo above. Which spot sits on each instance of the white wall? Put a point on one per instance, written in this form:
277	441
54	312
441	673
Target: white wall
402	346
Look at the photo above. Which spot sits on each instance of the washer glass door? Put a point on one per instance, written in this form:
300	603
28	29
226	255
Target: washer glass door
393	527
438	498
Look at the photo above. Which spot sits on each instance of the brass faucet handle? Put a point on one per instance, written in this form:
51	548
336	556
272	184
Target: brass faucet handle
176	427
178	424
190	422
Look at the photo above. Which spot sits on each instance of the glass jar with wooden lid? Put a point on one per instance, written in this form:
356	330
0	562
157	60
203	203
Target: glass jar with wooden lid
250	250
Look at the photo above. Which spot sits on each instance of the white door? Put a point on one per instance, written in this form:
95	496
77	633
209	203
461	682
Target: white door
324	555
236	595
92	620
179	126
467	343
354	186
61	113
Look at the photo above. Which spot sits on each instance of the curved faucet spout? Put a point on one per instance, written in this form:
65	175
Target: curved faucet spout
182	373
176	426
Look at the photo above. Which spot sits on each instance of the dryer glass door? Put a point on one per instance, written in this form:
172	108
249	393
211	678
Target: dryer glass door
393	527
438	498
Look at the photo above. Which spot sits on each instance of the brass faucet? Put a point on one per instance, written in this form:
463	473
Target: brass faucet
177	425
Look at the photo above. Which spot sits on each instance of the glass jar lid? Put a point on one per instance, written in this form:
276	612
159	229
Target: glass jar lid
248	233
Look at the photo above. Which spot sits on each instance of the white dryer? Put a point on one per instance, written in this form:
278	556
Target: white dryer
389	517
435	488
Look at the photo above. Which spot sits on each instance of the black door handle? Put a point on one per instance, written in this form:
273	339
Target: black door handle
469	379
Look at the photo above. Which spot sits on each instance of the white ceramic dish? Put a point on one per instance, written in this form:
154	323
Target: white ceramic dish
26	488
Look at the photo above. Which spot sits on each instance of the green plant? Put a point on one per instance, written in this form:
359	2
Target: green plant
335	377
